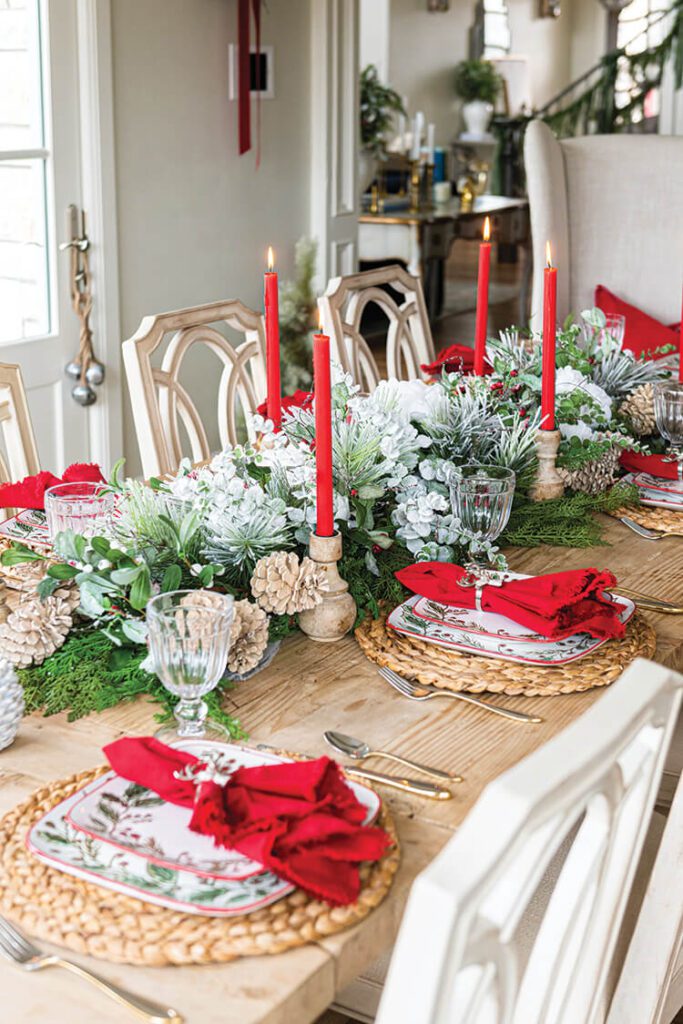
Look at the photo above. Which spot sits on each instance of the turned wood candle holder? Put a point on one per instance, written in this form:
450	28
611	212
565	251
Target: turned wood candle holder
548	482
335	615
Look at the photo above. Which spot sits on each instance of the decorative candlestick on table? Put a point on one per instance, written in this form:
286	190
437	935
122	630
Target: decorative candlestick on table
548	482
482	320
335	615
271	305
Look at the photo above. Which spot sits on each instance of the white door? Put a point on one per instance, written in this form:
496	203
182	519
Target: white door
334	137
40	175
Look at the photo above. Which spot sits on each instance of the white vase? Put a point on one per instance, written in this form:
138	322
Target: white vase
477	114
367	170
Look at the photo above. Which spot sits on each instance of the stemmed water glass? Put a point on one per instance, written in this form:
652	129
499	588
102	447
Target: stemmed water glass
189	642
482	499
83	507
669	418
609	335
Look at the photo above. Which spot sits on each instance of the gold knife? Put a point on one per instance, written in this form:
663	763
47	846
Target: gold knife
407	785
650	603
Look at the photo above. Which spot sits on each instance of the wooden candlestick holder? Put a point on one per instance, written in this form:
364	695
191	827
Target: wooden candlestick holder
335	615
548	482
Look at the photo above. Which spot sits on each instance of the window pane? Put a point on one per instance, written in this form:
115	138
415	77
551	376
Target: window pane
21	121
24	291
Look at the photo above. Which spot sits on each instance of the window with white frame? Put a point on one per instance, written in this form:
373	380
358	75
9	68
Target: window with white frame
24	276
642	25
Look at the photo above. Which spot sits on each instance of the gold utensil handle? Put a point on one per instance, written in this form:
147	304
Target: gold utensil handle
651	603
414	786
515	716
144	1009
408	763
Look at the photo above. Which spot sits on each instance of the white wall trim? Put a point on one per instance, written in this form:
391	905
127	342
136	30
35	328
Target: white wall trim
99	201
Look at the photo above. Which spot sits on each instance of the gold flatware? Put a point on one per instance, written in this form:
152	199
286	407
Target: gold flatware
650	603
425	691
408	785
648	534
358	750
16	947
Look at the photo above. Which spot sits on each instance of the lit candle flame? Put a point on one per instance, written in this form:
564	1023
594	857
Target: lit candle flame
320	321
486	234
548	257
271	259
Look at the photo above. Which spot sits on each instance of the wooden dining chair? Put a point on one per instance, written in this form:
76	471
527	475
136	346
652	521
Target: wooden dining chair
162	405
517	920
409	338
20	457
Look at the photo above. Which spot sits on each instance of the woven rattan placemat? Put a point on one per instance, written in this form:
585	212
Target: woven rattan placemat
662	519
86	918
454	670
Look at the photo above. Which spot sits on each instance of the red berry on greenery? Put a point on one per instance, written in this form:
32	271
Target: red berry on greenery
497	385
353	492
522	412
513	373
376	549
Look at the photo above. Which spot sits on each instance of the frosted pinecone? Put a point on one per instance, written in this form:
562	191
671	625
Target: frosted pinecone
36	628
248	638
594	476
284	586
11	703
639	410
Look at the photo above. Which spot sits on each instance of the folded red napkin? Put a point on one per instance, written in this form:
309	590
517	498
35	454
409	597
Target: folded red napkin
556	605
453	359
30	492
300	820
642	333
654	464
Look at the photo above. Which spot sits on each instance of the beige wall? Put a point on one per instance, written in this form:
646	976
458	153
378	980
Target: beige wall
195	219
424	49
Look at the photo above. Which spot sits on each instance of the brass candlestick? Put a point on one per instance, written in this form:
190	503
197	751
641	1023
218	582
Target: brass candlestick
414	186
548	482
429	185
335	615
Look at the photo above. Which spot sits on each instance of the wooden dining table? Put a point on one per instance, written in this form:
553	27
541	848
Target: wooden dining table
308	688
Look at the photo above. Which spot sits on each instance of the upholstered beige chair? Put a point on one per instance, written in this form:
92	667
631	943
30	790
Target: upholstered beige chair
409	338
167	418
20	456
612	208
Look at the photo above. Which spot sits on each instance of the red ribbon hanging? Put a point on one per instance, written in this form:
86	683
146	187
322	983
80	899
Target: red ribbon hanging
244	8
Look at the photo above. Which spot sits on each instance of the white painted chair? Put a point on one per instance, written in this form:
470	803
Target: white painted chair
20	457
517	920
409	338
162	404
612	208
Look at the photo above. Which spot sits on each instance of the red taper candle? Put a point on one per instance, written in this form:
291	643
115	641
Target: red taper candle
323	435
482	300
548	341
273	394
680	348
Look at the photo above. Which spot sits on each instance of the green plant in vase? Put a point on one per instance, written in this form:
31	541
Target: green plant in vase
477	84
378	105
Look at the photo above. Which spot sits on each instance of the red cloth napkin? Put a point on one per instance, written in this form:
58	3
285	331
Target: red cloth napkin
556	605
300	820
297	400
30	492
653	464
452	359
642	332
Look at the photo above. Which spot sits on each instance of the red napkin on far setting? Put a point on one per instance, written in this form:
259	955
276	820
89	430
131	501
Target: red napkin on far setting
301	820
453	359
653	464
30	492
556	605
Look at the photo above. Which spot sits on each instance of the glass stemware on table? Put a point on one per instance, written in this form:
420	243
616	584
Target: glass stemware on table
668	401
609	334
482	496
85	508
189	642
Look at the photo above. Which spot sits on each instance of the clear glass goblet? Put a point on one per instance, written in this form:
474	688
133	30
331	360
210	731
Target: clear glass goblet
669	418
482	499
85	508
609	336
189	641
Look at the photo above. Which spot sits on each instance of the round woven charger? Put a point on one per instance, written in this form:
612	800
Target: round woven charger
71	912
454	670
662	519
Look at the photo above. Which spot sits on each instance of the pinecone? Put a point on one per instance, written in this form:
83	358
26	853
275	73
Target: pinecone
25	576
35	628
11	703
196	623
284	586
639	410
249	637
594	476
